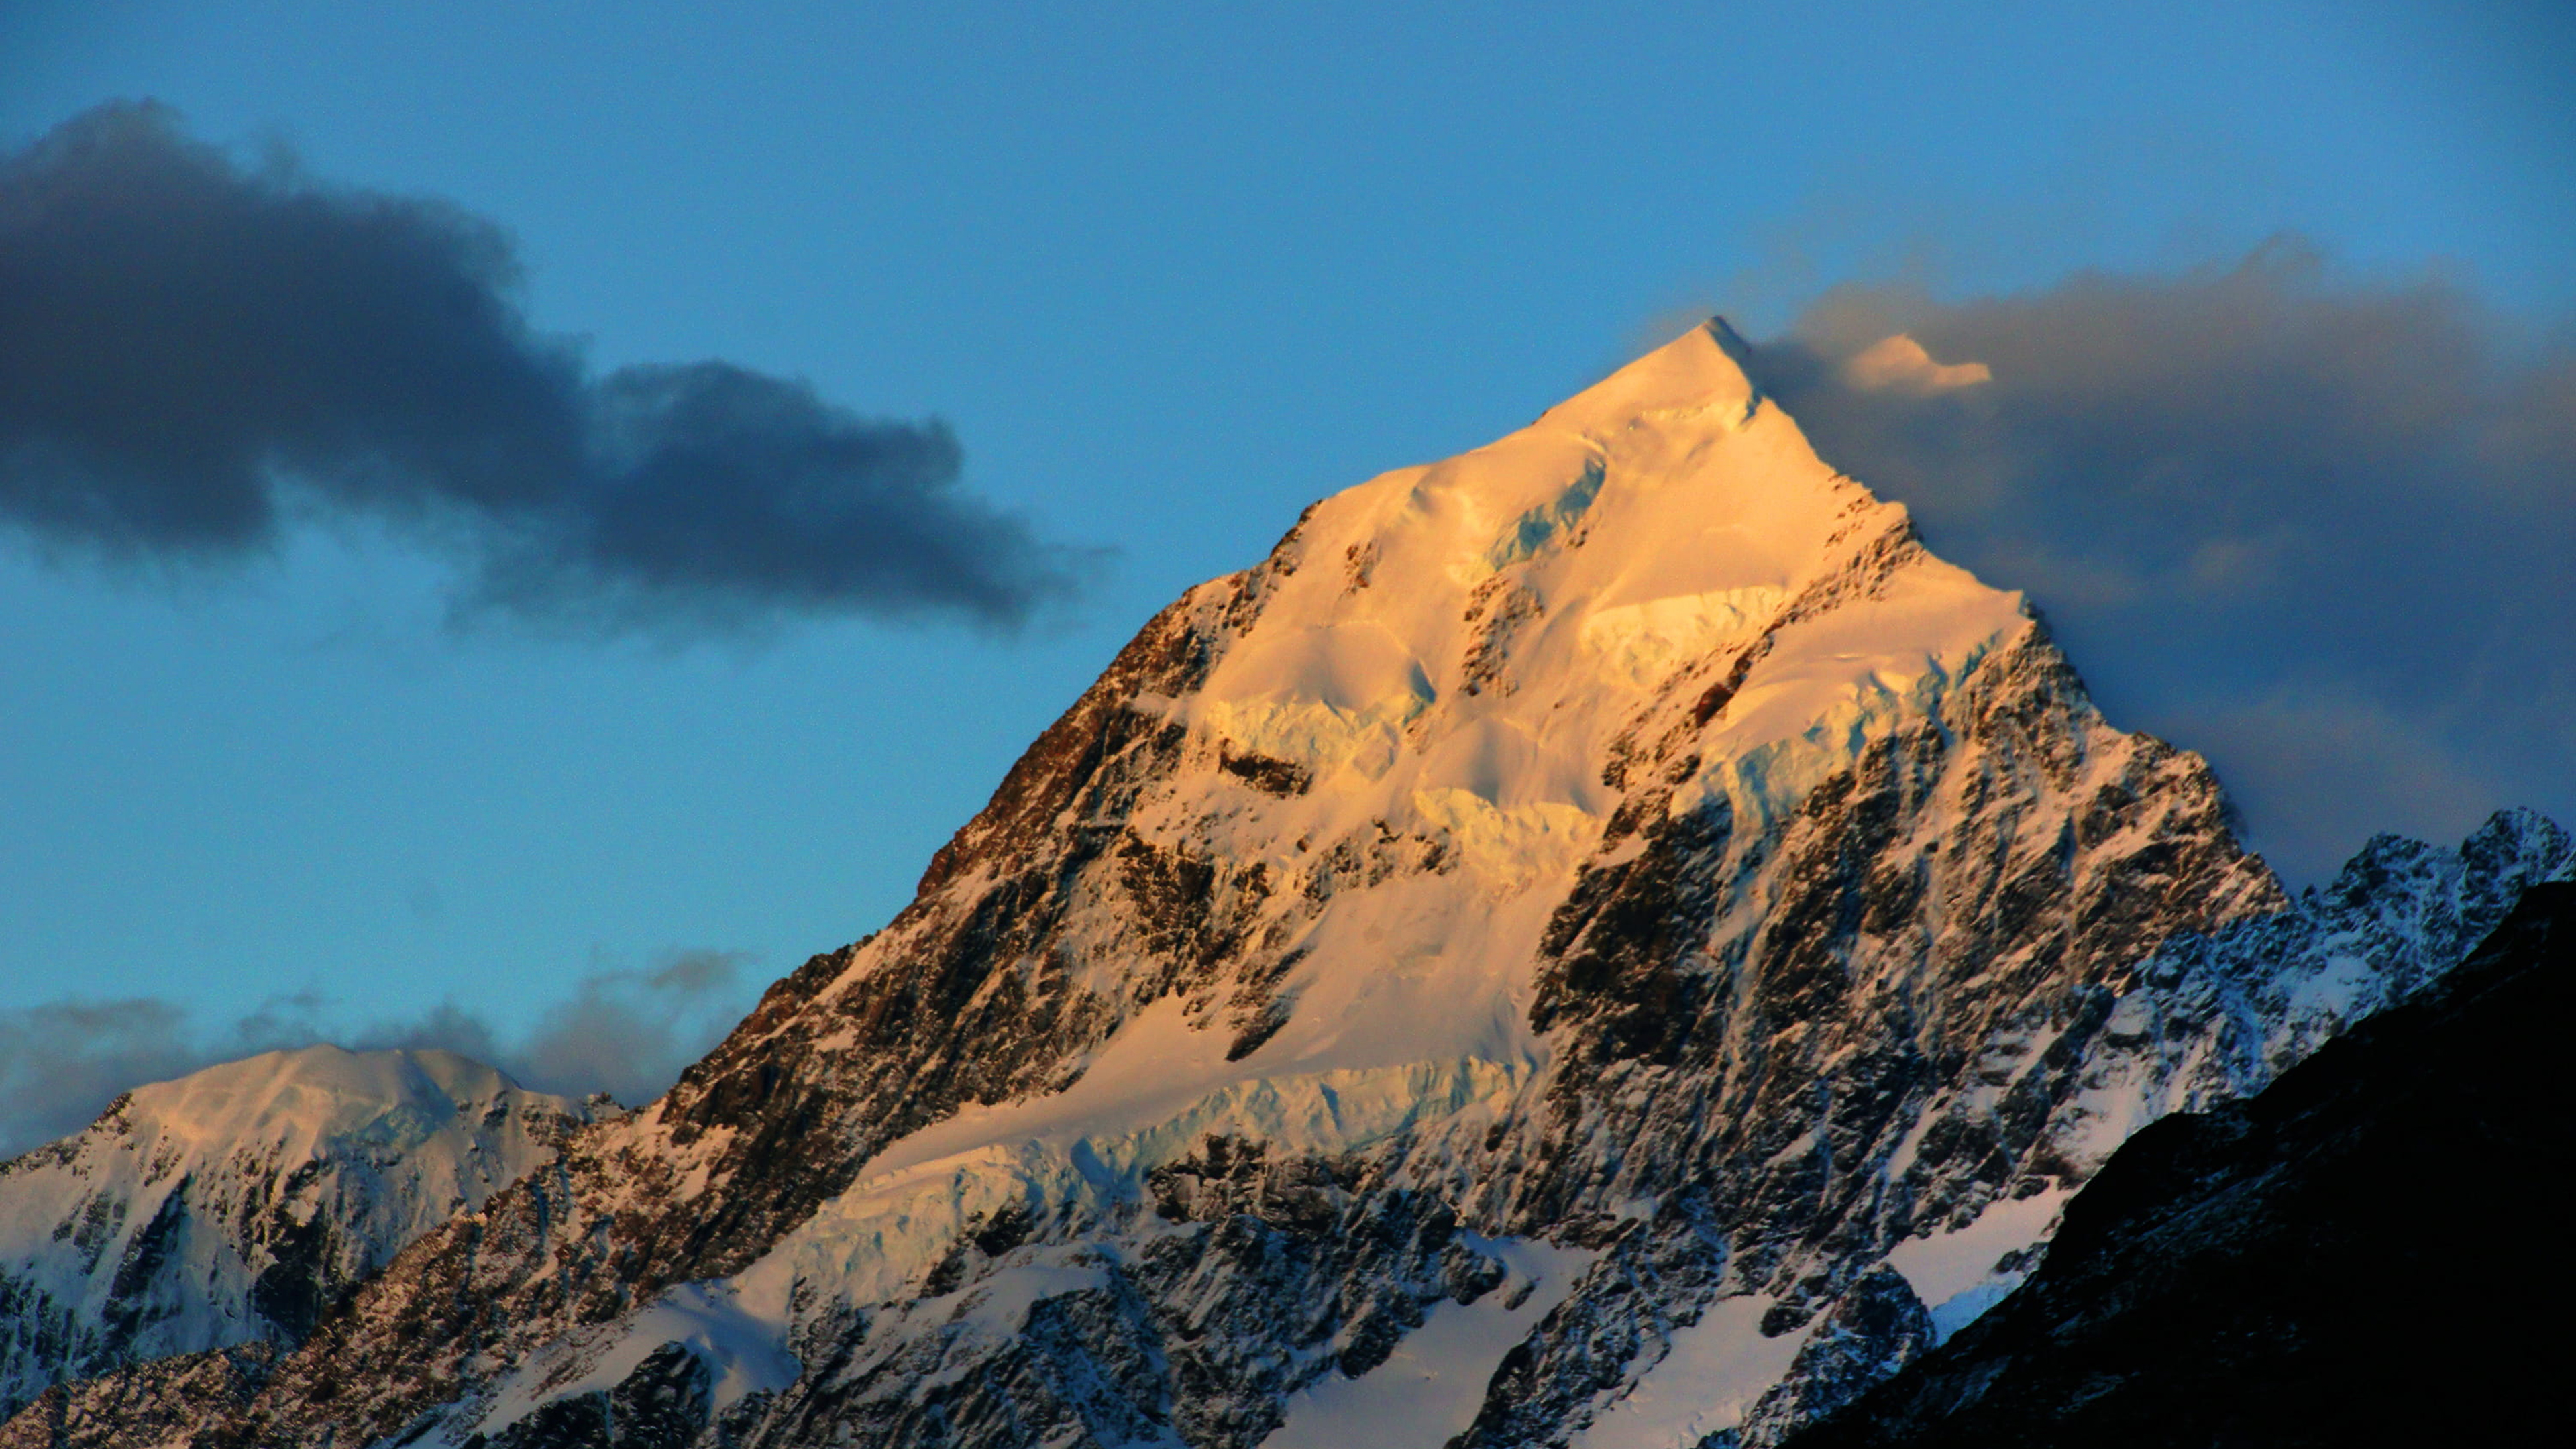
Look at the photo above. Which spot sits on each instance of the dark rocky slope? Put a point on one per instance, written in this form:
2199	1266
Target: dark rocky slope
2364	1253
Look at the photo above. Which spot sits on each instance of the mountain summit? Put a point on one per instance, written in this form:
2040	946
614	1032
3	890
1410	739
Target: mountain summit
1602	939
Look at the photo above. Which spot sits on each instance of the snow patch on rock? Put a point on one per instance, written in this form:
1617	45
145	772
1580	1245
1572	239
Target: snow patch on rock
1429	1389
1711	1375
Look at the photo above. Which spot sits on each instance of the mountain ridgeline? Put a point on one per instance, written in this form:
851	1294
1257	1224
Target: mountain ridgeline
1603	940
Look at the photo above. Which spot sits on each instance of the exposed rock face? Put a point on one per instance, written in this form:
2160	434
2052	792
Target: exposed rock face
1584	942
242	1203
156	1401
2346	1258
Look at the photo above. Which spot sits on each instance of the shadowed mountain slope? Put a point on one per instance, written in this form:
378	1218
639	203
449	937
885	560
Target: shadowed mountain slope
2363	1253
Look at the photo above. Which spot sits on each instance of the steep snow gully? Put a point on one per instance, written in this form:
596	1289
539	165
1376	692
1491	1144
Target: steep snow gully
1603	940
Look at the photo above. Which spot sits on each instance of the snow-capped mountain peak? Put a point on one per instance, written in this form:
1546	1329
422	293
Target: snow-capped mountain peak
1602	939
303	1101
1701	371
1486	838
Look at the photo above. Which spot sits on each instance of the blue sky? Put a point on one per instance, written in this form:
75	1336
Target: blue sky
1170	274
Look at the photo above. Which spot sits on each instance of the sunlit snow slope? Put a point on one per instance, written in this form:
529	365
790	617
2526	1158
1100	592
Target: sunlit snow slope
239	1203
1605	928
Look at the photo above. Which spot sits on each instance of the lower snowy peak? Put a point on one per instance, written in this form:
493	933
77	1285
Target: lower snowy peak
240	1203
1602	939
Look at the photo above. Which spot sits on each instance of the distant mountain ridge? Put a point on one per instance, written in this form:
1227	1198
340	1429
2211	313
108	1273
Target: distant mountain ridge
241	1203
1603	940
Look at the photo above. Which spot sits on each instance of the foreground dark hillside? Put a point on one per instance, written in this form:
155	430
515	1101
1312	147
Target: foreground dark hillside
2364	1253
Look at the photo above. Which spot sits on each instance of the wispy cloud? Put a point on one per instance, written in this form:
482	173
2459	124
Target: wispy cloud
2317	525
194	351
624	1032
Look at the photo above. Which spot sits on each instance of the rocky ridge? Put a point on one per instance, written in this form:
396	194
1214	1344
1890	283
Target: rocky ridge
1603	939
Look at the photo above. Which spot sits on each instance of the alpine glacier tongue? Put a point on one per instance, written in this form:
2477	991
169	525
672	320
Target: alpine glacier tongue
1604	925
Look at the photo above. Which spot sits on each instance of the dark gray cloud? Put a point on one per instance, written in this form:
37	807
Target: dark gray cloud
628	1033
624	1032
2321	527
61	1063
194	351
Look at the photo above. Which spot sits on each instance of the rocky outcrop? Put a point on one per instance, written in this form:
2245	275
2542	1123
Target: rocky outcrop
156	1401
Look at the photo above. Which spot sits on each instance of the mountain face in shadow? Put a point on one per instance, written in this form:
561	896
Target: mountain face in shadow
2363	1253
